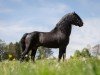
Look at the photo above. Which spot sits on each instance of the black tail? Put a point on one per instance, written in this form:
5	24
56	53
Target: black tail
22	41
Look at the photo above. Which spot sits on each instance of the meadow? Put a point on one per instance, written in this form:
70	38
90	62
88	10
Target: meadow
75	66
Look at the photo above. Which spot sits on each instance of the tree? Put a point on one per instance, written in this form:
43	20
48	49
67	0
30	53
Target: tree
17	50
44	52
11	51
85	53
77	53
96	50
11	47
2	44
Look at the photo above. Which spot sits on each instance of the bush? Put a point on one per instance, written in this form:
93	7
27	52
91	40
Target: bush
83	53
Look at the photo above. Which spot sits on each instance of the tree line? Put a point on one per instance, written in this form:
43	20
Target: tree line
13	51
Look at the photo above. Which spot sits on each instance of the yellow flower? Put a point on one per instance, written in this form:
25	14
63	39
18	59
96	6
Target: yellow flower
10	56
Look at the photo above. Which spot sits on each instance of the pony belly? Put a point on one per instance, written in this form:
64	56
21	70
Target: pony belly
50	45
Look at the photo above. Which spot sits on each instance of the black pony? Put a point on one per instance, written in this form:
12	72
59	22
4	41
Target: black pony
56	38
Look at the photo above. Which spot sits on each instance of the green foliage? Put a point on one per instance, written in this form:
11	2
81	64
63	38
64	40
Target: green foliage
83	53
13	49
2	44
77	53
44	52
17	50
75	66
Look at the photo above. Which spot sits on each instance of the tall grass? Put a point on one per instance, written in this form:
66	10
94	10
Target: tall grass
89	66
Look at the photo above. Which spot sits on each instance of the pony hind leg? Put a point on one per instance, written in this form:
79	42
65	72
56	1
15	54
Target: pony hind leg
33	53
22	42
23	48
28	47
26	51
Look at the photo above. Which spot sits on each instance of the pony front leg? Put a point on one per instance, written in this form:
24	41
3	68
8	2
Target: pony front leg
62	52
64	56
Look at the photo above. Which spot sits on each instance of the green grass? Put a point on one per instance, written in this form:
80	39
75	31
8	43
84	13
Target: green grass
88	66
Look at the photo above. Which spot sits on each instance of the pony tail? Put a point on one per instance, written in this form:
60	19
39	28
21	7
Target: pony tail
22	41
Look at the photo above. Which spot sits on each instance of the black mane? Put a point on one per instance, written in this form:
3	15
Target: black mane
63	23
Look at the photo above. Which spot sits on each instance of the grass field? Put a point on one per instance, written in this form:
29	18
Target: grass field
87	66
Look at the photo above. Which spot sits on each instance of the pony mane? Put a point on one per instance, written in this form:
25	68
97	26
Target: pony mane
62	23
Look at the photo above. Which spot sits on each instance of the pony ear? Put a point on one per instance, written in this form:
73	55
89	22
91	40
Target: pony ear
73	12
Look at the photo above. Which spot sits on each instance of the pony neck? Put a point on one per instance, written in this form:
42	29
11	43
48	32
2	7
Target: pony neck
64	26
